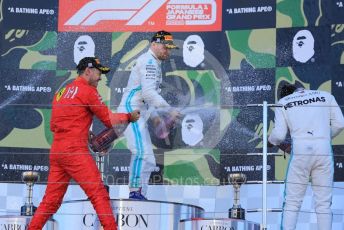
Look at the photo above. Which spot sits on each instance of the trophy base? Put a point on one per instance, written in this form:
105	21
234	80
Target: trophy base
236	213
27	210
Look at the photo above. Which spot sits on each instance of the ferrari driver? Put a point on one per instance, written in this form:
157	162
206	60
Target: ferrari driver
73	109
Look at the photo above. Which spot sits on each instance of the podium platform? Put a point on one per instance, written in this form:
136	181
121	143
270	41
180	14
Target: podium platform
225	224
22	222
130	214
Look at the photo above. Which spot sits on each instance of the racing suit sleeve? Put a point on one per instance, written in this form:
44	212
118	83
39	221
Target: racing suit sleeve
336	118
280	129
104	114
150	85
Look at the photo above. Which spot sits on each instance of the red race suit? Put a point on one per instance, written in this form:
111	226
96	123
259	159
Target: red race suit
73	109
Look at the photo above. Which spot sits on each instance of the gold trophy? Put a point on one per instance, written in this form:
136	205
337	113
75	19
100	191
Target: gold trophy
29	178
236	179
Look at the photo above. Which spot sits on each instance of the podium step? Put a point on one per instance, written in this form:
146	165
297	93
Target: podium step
201	224
22	222
130	214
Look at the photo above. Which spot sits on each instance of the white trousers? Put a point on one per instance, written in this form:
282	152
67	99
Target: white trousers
308	161
142	161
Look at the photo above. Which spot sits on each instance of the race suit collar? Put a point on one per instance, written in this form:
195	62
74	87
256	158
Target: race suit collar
152	53
81	80
299	89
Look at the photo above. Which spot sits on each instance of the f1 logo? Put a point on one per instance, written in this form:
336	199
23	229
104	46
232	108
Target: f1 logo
140	15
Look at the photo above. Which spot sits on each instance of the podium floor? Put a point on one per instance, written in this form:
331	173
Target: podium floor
130	214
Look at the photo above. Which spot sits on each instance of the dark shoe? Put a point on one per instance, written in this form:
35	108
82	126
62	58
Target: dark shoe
136	195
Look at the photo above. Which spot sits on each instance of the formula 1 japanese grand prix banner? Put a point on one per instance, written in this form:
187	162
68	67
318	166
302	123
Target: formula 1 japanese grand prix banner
232	53
141	15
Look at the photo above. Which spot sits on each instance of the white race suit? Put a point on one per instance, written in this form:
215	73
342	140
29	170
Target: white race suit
313	119
142	92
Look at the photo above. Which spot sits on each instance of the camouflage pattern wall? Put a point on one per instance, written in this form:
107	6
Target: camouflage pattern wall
232	54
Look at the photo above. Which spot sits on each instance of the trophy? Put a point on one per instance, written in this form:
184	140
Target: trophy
100	145
29	178
236	179
100	165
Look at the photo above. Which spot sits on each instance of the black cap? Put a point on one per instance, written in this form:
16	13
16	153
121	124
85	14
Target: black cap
91	62
164	37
